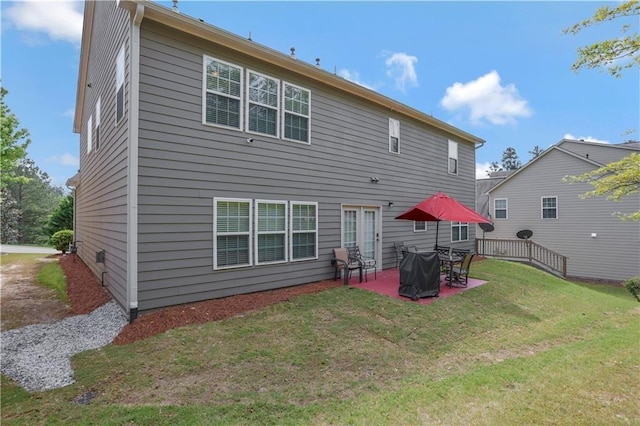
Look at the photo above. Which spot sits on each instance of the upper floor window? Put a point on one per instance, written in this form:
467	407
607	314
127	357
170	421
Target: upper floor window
89	134
549	207
394	136
263	100
459	231
232	232
453	158
304	230
500	208
419	226
97	137
296	112
223	93
120	85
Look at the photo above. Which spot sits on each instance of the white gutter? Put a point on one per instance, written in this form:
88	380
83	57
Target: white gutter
132	176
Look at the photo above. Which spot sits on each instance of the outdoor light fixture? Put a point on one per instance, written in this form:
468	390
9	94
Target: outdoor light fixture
375	179
390	203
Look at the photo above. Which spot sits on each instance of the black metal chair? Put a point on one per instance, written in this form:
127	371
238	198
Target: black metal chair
365	264
401	249
343	264
460	271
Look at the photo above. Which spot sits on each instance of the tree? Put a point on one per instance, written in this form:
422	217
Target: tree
510	160
536	151
61	218
9	218
13	142
616	54
618	179
494	167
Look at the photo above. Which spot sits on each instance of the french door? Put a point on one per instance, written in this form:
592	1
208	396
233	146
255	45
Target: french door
361	226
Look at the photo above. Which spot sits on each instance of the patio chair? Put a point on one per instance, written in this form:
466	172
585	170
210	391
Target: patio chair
365	264
460	271
343	264
401	249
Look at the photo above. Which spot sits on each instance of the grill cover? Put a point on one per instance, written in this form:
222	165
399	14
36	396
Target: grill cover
420	275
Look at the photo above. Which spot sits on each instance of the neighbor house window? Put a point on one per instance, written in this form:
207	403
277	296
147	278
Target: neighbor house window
232	233
271	231
549	207
296	113
222	93
500	208
89	135
304	230
97	138
394	136
120	85
263	99
419	226
459	231
453	157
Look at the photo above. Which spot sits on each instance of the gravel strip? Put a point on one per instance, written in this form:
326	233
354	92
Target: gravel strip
38	357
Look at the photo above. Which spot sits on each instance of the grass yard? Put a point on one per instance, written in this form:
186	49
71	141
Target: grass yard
525	348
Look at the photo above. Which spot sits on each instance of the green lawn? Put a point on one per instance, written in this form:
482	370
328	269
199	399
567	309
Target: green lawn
525	348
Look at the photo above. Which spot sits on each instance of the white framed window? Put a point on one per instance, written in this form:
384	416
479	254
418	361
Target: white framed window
459	231
232	228
271	231
500	208
97	137
296	113
550	207
304	230
419	226
263	100
222	93
394	136
120	86
89	134
453	158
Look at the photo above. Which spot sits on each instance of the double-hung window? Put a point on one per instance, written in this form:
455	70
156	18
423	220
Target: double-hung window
304	230
97	138
549	207
419	226
271	231
459	231
296	113
453	158
232	233
500	208
120	85
89	135
394	136
223	93
263	99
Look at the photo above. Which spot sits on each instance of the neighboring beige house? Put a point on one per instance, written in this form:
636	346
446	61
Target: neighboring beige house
598	244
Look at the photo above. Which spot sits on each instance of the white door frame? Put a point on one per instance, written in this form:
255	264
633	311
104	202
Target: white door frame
360	209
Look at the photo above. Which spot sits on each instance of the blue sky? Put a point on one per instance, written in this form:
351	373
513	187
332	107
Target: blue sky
498	70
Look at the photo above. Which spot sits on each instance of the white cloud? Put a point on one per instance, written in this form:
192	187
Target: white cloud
584	138
401	68
70	113
482	170
65	159
354	77
487	99
60	20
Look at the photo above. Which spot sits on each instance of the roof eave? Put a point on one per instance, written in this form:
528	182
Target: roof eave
87	26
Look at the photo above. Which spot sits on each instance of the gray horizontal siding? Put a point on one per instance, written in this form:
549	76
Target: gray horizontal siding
185	164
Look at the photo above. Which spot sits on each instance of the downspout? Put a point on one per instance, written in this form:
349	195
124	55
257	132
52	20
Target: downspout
481	144
132	193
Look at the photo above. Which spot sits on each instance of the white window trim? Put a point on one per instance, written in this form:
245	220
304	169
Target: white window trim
542	207
459	225
415	222
284	232
205	60
506	209
249	101
89	134
215	232
120	71
98	124
291	231
394	132
453	154
284	112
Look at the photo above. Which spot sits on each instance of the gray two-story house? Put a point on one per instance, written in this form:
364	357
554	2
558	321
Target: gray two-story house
211	165
598	244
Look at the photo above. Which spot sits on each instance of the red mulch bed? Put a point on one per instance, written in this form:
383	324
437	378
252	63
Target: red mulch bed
86	294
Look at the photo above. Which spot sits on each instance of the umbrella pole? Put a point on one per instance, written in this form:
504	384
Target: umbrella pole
437	228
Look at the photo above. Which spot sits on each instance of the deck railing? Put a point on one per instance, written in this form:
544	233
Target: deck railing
522	249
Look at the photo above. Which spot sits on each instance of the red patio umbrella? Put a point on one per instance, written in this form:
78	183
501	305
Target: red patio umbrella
442	207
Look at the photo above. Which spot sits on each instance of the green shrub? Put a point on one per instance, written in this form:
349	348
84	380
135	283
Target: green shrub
633	285
61	240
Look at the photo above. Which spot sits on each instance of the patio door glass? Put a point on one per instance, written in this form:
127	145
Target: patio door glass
361	227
